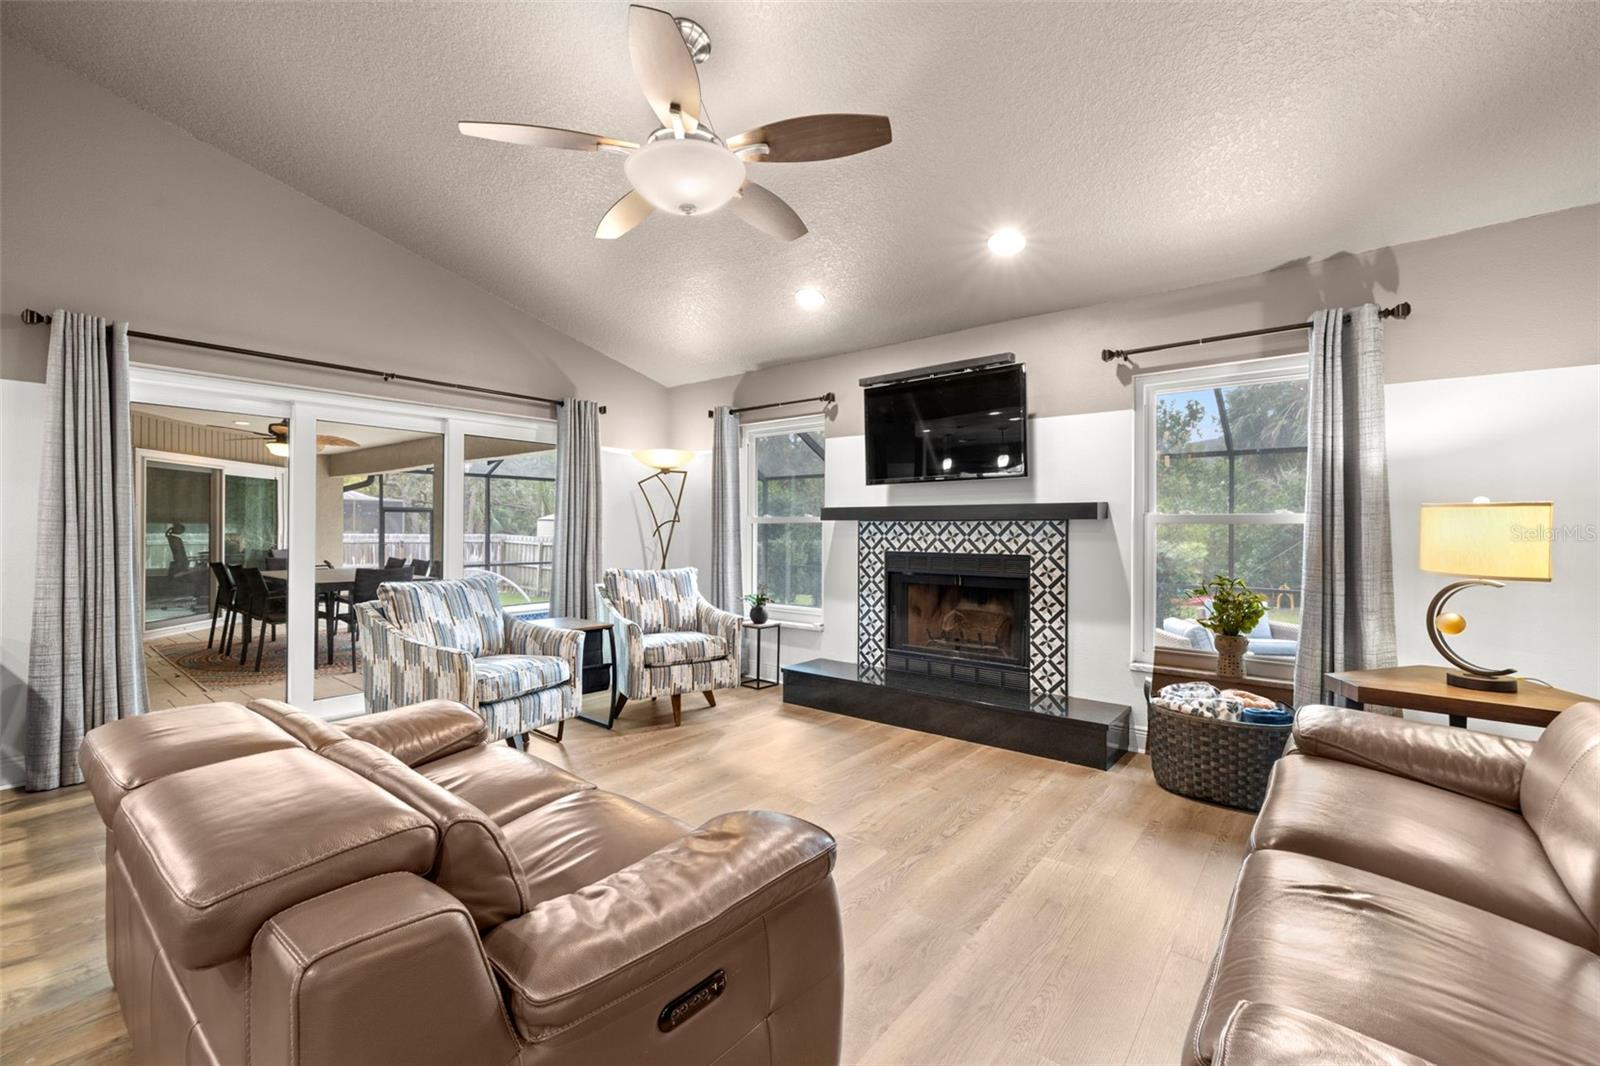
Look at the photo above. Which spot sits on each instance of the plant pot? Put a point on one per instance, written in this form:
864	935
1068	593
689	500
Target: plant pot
1230	655
758	614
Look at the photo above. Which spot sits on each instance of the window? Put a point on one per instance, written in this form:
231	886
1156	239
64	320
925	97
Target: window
510	496
783	505
388	516
1221	469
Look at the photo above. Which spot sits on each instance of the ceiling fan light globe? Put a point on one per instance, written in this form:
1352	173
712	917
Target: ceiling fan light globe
685	177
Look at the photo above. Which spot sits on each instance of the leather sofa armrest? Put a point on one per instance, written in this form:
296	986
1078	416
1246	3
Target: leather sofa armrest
419	732
577	953
1483	766
386	970
1263	1032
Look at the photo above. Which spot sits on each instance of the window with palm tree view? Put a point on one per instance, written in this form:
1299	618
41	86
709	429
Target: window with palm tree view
784	494
1224	493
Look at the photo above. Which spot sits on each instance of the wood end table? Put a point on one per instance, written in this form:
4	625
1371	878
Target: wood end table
1423	688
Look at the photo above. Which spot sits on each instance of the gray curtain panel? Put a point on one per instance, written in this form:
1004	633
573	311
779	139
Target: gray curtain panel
727	580
85	662
1347	617
577	547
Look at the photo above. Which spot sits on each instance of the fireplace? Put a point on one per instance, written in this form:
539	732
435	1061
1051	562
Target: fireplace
959	616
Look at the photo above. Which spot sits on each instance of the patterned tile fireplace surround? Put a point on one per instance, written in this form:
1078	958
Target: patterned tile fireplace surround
1042	541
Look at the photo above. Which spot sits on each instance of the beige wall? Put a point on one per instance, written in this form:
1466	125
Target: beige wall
110	210
1523	295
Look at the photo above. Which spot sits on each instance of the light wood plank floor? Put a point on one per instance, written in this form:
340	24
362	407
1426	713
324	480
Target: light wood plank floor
997	907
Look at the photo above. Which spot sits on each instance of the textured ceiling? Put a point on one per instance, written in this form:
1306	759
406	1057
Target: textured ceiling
1139	147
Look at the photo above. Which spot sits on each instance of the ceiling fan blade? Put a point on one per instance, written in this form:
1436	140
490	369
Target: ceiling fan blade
813	137
328	440
625	214
540	136
663	65
766	212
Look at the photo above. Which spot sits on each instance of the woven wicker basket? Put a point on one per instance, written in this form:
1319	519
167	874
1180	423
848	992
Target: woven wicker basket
1213	759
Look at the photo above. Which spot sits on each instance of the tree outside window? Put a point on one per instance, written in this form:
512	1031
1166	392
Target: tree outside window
785	504
1226	491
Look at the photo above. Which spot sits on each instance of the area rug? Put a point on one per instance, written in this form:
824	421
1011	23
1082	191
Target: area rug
209	668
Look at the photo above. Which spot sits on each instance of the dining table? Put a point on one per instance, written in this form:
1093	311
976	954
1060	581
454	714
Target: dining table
332	581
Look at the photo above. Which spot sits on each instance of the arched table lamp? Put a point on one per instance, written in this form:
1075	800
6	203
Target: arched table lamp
667	461
1485	543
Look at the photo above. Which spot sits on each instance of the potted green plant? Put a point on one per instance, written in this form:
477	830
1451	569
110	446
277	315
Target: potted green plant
758	601
1232	611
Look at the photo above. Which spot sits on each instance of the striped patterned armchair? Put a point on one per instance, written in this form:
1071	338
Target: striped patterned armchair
451	640
669	639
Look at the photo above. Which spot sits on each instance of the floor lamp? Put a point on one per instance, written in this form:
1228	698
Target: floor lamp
667	461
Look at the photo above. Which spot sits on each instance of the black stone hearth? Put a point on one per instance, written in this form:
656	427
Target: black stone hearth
1085	732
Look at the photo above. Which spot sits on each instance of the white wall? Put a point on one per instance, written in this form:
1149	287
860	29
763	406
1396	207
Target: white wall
1527	435
21	450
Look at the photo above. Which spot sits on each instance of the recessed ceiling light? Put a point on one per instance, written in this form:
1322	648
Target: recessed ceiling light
240	422
808	298
1007	242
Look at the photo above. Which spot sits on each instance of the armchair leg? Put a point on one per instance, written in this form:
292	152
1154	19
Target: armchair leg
710	696
677	709
561	727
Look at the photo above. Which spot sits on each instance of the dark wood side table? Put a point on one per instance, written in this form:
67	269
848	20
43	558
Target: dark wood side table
1423	688
754	680
597	672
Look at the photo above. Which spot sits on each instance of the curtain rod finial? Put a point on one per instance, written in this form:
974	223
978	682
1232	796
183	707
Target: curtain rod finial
30	317
1400	310
1108	354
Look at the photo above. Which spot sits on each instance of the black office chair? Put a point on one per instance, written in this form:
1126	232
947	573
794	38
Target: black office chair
262	607
222	604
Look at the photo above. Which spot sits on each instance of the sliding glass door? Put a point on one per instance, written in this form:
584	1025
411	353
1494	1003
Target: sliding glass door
178	527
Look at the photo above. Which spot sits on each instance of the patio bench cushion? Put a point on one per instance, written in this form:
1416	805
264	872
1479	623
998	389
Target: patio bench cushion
671	649
505	677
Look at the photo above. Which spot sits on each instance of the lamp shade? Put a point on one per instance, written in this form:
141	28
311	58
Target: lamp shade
1501	541
664	458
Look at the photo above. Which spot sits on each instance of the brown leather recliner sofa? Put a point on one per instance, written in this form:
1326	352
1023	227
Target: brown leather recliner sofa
1415	894
393	889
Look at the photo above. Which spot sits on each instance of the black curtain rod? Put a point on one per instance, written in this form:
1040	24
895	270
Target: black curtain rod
826	397
31	317
1400	310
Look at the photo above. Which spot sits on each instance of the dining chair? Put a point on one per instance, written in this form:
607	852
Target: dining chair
436	568
222	603
394	561
419	567
264	608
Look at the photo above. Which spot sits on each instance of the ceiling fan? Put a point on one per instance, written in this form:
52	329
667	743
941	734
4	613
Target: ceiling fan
684	167
277	438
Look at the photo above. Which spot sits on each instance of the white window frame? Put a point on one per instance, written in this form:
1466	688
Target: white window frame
748	435
1146	388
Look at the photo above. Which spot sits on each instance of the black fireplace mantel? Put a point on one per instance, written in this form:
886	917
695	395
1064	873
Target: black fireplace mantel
975	512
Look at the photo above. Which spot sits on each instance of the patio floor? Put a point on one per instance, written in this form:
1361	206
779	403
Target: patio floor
177	678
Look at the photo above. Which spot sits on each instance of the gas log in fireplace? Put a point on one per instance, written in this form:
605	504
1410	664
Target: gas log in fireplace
958	616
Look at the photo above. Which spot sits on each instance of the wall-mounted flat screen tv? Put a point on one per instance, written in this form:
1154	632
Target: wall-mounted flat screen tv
948	427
